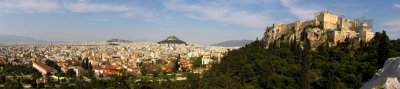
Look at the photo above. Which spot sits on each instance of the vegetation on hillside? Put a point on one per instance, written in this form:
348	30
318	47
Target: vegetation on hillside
292	66
171	42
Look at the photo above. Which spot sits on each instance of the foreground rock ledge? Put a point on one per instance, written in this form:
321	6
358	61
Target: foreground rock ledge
387	77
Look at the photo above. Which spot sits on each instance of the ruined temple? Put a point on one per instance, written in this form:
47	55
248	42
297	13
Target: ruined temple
326	27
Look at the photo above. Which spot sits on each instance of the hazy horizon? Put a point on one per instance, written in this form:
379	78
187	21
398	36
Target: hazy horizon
194	21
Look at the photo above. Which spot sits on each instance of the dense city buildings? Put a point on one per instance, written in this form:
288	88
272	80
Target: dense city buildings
112	58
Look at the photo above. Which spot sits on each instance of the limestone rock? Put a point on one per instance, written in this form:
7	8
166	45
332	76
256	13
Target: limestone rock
387	77
316	35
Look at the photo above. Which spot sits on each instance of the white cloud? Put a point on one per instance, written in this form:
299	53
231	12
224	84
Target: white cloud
220	12
83	7
303	12
124	10
78	6
396	5
28	5
392	27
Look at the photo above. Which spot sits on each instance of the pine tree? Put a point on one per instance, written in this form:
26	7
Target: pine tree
176	64
83	64
306	63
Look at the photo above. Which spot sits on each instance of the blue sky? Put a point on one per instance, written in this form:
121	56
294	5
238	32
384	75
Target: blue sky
194	21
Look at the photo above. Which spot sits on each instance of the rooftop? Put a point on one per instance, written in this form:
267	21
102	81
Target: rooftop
44	66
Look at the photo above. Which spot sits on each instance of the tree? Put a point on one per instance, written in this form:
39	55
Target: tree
196	62
383	48
13	85
306	63
33	84
71	73
53	64
2	79
50	82
36	75
176	64
41	85
85	63
90	70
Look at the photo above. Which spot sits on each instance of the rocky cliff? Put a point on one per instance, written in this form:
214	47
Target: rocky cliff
387	77
279	33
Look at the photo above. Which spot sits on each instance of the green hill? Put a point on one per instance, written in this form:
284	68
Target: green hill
171	40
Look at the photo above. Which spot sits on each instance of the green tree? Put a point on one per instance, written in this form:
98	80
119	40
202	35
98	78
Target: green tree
71	73
383	48
196	62
33	84
53	64
176	64
306	63
13	85
2	79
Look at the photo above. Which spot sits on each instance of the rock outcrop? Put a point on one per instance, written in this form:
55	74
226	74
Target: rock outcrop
316	35
387	77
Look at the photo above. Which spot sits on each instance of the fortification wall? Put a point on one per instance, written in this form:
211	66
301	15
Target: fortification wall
340	36
346	24
366	34
328	20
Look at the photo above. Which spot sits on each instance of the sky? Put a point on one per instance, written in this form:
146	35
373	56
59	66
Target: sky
194	21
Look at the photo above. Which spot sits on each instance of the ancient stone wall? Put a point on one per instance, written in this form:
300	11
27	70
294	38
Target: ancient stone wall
328	20
366	34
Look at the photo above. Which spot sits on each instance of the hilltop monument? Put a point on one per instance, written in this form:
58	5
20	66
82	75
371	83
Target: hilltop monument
326	27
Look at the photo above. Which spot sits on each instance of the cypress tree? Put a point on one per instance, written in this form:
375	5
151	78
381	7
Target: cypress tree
306	63
383	49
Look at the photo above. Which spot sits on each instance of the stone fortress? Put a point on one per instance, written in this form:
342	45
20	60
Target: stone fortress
326	26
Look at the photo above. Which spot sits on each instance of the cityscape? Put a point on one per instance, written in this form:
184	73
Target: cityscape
112	57
199	44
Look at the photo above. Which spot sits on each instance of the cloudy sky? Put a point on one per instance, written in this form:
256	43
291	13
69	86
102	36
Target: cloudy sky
194	21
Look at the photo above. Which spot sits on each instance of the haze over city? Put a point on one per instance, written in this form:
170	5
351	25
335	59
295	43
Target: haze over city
194	21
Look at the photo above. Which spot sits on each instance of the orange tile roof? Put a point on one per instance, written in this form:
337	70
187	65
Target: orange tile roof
44	66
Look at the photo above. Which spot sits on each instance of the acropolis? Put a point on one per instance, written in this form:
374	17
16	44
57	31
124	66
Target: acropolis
326	26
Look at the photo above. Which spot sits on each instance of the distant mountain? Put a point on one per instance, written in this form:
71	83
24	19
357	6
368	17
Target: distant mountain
171	40
119	41
233	43
20	39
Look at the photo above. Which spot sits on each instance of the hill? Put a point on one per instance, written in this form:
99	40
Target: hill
119	41
171	40
291	66
233	43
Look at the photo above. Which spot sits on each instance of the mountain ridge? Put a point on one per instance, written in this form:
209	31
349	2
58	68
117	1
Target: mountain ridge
233	43
4	38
